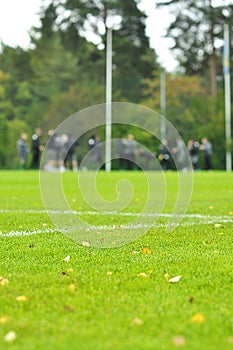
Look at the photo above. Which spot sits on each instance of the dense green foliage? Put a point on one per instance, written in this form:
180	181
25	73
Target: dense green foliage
63	72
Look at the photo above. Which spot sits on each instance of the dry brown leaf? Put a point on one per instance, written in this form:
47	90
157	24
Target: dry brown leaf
191	299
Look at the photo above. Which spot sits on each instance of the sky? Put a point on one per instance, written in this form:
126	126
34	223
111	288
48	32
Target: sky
18	16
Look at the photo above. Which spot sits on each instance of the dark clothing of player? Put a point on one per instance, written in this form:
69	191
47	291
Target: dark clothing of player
35	149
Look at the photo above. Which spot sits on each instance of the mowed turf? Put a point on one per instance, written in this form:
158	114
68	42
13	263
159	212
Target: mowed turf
117	298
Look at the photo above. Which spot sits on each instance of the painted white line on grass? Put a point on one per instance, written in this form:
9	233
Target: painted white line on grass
99	228
26	233
114	213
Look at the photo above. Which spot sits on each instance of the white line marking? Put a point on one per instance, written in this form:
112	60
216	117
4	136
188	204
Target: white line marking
112	228
114	213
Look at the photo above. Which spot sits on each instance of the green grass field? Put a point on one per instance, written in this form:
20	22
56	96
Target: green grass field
117	298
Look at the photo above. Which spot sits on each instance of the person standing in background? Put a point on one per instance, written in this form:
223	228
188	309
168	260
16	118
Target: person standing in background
130	151
36	148
193	148
180	154
164	155
206	146
22	150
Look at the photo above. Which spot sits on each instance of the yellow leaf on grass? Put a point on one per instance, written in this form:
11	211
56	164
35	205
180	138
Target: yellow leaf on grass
217	225
21	298
10	337
166	276
70	270
109	273
72	287
198	318
174	279
137	321
142	274
3	281
85	244
146	250
4	319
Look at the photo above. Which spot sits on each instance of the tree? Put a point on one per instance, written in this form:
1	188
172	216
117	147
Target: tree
196	30
133	59
190	109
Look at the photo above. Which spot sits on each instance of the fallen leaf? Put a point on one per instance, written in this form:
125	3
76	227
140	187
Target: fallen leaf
67	258
166	276
174	279
72	287
21	298
191	299
68	308
4	319
137	321
109	273
70	270
142	274
3	281
198	318
178	340
10	337
146	251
